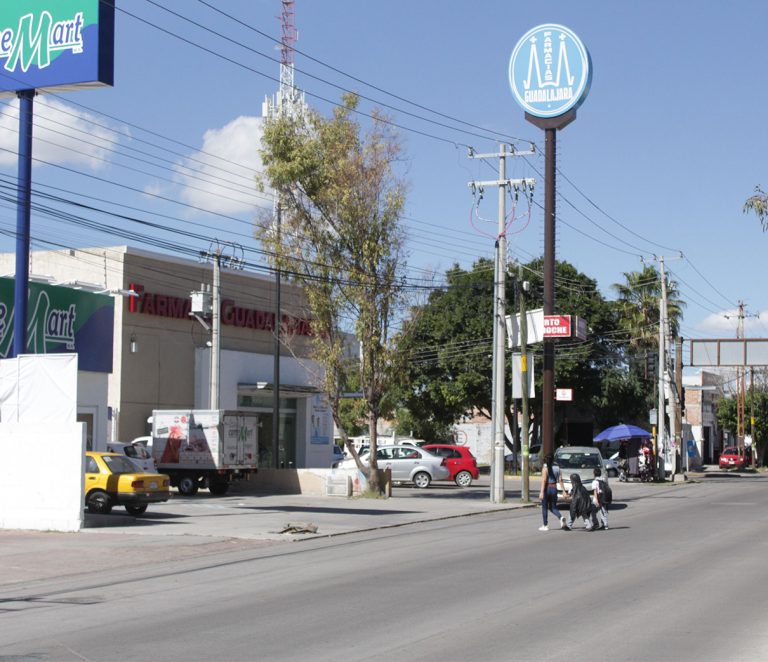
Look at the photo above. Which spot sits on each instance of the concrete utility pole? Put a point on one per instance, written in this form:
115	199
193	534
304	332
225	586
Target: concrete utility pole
215	331
218	257
678	426
660	428
499	328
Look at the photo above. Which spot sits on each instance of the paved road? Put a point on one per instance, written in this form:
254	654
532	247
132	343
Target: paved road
680	566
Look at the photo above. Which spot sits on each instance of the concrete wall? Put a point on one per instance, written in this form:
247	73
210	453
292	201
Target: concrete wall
302	481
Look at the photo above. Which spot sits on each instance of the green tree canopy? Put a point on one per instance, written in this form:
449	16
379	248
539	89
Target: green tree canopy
341	239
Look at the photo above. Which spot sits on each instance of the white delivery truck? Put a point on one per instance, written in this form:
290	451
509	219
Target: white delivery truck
204	447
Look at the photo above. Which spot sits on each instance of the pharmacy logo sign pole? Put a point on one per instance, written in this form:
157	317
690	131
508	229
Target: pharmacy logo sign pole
47	45
550	73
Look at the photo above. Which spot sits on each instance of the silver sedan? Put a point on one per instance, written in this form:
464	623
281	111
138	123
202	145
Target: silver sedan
407	464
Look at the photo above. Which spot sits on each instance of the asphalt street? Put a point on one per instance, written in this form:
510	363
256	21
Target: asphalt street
680	566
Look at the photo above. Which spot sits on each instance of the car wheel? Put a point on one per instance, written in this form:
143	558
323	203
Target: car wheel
422	479
463	479
188	485
218	487
99	502
612	473
136	510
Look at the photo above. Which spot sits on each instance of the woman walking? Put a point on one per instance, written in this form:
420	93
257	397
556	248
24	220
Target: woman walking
551	476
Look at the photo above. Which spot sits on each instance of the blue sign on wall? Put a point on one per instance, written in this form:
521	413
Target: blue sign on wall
56	43
550	71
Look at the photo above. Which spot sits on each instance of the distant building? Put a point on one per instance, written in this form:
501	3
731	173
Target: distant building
702	392
160	356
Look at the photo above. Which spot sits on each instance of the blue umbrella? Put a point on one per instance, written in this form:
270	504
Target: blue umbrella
617	432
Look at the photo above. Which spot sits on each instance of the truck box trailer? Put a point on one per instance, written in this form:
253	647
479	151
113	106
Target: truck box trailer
204	447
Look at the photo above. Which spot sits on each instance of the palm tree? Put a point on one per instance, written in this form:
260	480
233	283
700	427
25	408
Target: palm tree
638	304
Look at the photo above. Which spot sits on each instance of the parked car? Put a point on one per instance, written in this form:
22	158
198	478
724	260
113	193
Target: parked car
535	460
731	458
114	480
459	460
134	451
337	455
581	460
407	463
612	468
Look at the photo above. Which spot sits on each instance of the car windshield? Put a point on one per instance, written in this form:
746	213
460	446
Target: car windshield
579	460
138	452
120	465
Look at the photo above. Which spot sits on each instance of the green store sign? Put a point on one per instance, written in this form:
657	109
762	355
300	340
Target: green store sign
62	320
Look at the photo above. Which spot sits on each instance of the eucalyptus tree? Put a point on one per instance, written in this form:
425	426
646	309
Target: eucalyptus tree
341	239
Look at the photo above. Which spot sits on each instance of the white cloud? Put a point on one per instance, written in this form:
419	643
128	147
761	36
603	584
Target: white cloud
725	323
62	134
221	177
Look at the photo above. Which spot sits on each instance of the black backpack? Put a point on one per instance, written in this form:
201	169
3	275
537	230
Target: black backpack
606	495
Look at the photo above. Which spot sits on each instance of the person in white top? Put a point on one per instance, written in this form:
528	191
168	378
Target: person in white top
598	494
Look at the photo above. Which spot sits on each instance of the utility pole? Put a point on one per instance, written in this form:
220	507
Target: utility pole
217	257
678	428
660	428
276	357
499	327
752	414
740	427
215	331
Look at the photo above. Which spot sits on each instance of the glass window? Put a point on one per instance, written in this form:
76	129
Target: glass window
384	454
120	465
405	453
90	466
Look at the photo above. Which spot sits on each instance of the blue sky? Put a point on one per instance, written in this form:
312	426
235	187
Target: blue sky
666	148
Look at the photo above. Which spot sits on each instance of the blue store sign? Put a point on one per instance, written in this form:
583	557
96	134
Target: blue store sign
550	71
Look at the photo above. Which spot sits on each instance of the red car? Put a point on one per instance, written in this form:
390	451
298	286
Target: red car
459	460
731	458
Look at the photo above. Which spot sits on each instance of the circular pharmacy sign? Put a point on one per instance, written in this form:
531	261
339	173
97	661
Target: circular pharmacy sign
550	71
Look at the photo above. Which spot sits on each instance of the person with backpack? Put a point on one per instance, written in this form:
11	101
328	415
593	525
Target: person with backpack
551	477
601	497
581	505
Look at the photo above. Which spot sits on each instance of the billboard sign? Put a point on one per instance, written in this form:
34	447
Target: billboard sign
550	71
557	326
61	320
65	44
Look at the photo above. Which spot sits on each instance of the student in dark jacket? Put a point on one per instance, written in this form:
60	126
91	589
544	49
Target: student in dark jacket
581	505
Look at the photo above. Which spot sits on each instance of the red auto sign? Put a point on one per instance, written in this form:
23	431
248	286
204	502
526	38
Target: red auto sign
557	326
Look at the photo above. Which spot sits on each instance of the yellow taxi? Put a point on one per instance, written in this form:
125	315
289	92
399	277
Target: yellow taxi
112	479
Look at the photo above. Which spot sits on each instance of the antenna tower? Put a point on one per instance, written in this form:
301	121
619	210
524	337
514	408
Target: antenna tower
288	100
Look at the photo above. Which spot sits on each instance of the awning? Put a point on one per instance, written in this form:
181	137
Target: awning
261	388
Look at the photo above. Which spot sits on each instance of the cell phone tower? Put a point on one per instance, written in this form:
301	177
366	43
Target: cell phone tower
289	100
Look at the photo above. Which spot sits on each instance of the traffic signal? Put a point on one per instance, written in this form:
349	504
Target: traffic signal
650	365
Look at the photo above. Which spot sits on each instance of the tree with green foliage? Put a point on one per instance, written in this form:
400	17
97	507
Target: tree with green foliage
755	404
758	204
449	340
341	239
638	317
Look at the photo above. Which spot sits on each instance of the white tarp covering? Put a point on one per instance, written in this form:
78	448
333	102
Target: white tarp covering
39	387
42	445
